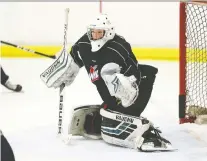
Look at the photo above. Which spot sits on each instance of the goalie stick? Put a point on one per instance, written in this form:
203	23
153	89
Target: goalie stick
60	116
62	86
29	50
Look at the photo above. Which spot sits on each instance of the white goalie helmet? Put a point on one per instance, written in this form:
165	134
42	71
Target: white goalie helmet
102	23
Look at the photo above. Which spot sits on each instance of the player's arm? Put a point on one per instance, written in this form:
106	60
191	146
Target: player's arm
130	61
74	52
119	76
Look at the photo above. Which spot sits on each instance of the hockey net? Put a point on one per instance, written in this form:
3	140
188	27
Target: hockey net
193	62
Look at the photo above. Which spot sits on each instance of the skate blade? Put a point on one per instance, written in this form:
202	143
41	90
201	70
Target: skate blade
148	148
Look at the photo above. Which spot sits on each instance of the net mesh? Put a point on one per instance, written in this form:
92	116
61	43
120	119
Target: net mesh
196	59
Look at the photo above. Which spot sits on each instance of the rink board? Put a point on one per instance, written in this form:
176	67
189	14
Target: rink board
171	54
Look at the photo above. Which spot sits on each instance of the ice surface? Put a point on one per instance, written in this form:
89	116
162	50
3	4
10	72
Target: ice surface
29	119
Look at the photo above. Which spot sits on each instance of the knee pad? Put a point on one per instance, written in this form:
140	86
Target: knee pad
123	130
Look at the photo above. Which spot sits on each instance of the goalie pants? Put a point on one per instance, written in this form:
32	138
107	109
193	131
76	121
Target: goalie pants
4	77
148	75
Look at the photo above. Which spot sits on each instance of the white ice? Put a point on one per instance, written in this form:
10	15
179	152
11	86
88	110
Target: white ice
29	119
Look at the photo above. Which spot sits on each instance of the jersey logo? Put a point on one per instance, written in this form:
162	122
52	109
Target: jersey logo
93	73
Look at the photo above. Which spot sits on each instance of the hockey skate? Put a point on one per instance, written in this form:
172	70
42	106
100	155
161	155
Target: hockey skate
154	142
12	87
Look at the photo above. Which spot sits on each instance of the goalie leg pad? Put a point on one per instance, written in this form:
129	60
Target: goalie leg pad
86	121
132	132
92	123
123	130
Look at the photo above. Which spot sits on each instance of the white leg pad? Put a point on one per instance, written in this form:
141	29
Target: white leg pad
123	130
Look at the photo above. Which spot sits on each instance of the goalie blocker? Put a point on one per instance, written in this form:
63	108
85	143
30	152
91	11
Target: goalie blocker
63	70
117	128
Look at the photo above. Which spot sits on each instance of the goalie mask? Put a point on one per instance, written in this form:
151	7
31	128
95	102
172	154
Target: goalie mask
99	32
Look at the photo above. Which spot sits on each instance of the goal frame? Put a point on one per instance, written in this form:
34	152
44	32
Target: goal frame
182	62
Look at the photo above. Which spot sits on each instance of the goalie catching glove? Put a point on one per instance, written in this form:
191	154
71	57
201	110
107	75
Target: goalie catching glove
122	87
63	70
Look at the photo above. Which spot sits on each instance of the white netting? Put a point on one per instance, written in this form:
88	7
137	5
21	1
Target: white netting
196	58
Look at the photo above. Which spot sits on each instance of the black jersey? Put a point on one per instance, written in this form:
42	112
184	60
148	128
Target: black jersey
116	50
